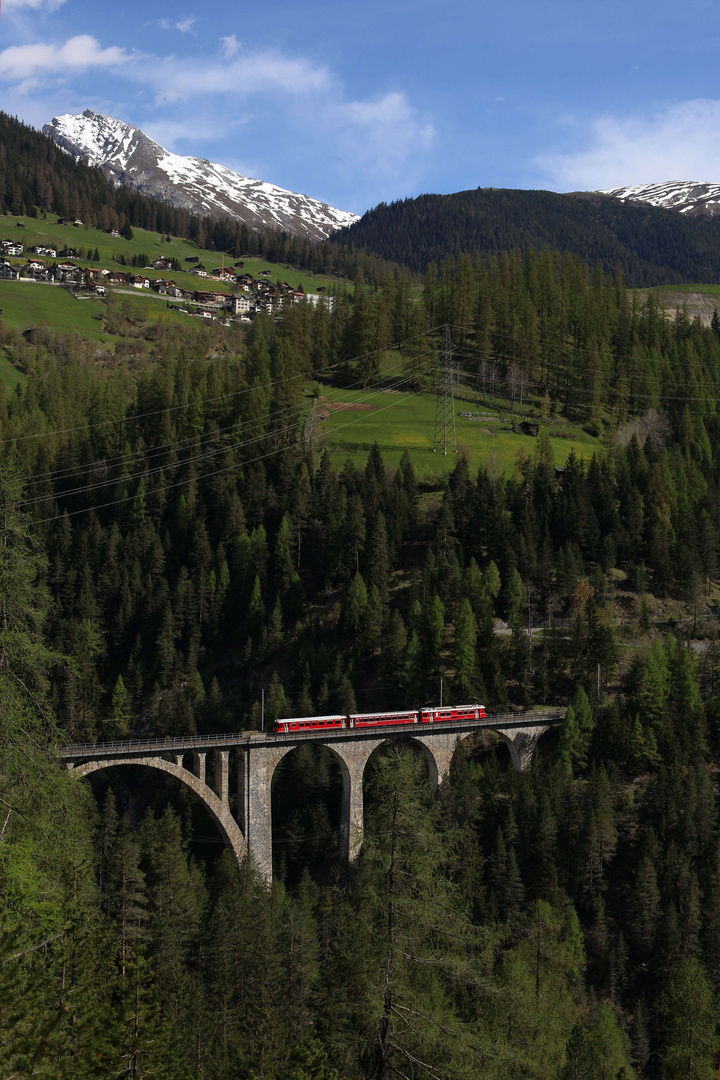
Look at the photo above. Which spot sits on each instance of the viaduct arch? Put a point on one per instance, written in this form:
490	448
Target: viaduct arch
218	806
258	755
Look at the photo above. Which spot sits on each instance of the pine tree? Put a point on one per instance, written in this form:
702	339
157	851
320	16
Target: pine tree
356	602
121	709
608	1045
465	647
690	1024
645	908
576	731
373	621
434	632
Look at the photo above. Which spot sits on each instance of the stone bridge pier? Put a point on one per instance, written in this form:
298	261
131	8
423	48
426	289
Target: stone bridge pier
521	742
258	765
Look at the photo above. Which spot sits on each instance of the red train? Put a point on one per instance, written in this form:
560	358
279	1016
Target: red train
430	715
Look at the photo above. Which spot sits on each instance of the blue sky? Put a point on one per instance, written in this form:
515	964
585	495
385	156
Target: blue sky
355	103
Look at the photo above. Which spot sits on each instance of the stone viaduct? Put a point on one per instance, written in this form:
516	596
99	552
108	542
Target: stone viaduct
257	755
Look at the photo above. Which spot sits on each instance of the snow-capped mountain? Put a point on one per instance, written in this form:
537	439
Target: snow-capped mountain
686	196
128	156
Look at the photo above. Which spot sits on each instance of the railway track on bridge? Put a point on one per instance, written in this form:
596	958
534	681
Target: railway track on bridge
169	744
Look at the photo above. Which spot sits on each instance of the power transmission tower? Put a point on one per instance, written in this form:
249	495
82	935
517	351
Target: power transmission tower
445	408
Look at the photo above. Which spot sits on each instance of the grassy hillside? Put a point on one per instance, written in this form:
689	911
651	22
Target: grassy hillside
26	303
10	377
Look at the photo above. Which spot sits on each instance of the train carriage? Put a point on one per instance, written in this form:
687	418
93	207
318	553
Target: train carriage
363	720
296	725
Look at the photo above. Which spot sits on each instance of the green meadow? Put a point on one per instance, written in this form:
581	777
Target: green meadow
10	377
405	420
400	420
26	303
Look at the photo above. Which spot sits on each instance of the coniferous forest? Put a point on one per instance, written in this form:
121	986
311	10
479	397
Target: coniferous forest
173	544
652	246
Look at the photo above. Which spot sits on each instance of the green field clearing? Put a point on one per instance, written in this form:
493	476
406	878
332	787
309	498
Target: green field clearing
25	303
30	304
704	290
406	421
48	233
10	377
698	300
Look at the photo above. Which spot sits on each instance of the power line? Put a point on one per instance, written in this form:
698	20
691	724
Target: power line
559	345
166	448
216	472
188	461
445	406
220	397
573	388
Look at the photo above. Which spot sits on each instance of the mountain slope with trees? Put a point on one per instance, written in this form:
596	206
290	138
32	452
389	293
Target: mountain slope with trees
37	177
651	246
171	545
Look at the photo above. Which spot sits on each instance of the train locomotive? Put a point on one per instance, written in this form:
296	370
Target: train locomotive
295	725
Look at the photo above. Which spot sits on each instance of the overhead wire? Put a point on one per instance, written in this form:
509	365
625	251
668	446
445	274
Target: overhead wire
475	352
166	448
220	397
199	457
566	386
565	346
216	472
467	350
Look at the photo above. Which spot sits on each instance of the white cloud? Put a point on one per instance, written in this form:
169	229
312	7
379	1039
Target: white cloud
682	142
230	45
253	74
382	135
33	5
31	62
183	25
171	133
376	144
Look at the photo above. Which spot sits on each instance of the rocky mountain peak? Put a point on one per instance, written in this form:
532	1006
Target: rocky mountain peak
130	157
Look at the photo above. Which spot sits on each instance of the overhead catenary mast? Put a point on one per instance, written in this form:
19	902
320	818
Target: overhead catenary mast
445	408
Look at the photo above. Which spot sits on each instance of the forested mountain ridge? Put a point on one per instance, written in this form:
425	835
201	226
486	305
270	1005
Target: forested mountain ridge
172	544
652	246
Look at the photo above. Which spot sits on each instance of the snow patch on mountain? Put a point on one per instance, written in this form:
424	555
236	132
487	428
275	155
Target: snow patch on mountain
129	157
692	197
